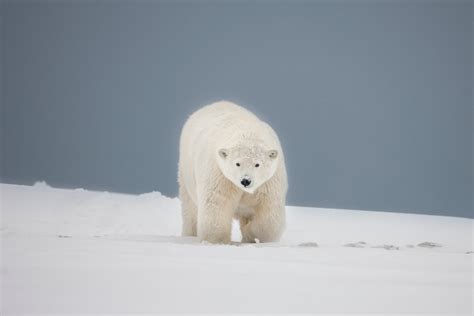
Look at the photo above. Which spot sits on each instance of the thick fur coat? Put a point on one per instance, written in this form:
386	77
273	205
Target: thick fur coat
231	165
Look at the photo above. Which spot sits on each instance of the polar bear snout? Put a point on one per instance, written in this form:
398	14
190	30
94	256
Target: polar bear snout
246	181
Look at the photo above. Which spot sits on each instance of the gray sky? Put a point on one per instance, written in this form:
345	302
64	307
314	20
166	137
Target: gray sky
372	100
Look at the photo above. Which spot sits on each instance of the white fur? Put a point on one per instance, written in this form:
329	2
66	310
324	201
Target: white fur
213	140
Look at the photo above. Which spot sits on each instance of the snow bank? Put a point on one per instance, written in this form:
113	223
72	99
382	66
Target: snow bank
78	251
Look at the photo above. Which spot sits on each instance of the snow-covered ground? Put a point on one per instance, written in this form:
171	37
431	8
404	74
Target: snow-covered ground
77	251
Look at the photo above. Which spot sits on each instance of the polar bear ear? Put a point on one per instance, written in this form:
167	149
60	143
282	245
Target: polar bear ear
223	153
272	154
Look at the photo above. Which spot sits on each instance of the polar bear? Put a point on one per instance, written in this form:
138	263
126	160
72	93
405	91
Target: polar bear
231	165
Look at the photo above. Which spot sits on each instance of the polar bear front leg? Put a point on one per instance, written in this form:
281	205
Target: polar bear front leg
267	224
215	211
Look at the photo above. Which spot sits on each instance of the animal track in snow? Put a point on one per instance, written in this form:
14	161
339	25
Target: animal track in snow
429	244
359	244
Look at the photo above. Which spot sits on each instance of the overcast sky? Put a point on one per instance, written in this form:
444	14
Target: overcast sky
372	100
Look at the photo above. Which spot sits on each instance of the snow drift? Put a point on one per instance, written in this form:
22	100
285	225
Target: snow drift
77	251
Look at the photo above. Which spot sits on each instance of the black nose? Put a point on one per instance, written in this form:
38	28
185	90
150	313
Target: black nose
245	182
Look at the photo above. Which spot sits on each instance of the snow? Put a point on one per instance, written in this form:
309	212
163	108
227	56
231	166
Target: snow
77	251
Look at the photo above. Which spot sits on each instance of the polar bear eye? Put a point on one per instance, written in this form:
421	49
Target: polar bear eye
237	164
257	165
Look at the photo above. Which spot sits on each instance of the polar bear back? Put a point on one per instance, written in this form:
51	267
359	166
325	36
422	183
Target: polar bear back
219	119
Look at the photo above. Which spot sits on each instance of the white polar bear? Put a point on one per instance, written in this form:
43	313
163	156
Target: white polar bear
231	165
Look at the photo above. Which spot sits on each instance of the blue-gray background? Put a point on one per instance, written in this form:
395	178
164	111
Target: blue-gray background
372	99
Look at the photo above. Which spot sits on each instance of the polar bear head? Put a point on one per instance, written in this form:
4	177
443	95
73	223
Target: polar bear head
248	167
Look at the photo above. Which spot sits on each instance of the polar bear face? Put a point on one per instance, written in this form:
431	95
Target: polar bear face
248	167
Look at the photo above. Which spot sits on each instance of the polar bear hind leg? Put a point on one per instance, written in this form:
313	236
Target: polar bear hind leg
188	213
